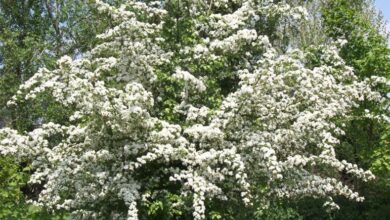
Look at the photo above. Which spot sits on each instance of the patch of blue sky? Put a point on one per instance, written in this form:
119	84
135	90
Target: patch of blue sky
384	7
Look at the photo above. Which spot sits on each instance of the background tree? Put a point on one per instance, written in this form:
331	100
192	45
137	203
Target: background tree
367	51
366	140
35	34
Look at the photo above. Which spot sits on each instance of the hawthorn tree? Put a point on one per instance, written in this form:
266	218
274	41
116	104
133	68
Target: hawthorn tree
189	105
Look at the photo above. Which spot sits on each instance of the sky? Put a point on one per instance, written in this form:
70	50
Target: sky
384	6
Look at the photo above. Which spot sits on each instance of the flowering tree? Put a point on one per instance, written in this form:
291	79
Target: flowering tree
206	100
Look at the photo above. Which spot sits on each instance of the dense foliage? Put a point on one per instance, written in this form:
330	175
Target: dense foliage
220	109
